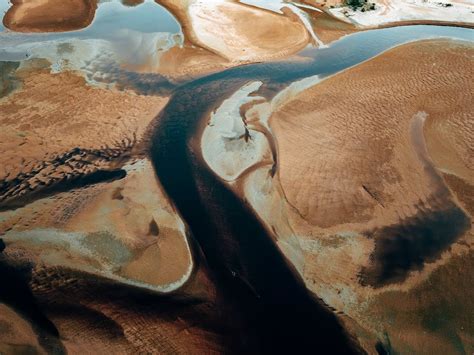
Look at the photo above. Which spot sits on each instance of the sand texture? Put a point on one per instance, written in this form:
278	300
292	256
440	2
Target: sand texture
363	181
49	15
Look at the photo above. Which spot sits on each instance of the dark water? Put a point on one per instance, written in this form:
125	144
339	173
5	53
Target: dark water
407	246
277	311
410	244
18	295
254	278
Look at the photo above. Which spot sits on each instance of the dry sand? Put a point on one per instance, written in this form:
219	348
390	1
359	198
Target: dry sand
349	166
124	230
328	28
49	15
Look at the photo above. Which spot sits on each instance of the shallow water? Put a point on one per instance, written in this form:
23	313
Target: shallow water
120	40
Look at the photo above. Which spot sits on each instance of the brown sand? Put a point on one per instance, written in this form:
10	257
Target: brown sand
52	115
357	163
323	3
132	2
49	15
55	129
328	28
125	228
348	166
190	61
94	316
238	32
16	335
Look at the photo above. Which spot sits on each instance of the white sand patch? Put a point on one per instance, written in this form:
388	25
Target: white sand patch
207	22
225	147
409	10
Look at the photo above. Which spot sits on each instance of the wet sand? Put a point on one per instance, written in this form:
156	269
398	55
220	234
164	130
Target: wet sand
16	334
49	15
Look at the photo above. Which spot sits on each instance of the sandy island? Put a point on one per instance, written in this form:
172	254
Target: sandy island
49	15
237	32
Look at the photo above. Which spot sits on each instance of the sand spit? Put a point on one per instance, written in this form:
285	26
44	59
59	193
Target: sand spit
238	145
122	230
358	172
237	32
328	28
49	15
